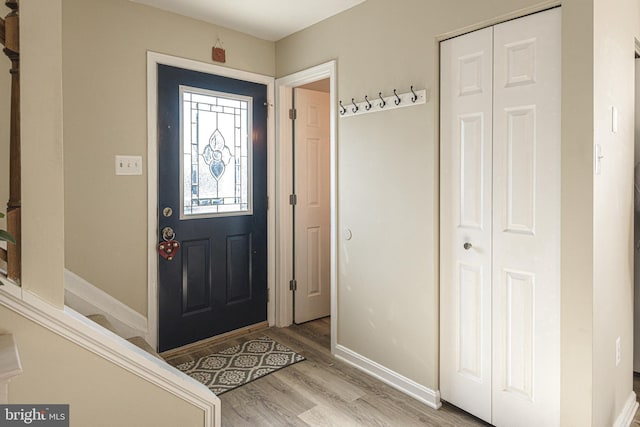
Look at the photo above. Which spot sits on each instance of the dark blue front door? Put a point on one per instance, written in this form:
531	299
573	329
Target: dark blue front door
212	200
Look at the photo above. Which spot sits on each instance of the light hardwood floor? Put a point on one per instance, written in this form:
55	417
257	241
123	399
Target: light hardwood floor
321	391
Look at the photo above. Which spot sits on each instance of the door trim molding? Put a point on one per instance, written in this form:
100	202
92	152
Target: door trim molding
153	59
284	89
530	10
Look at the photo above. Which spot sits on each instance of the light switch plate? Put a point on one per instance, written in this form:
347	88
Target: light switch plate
614	120
128	165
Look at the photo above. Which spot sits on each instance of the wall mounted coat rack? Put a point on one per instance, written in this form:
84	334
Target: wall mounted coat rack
382	103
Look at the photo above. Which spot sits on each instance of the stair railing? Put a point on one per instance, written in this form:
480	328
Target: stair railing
9	37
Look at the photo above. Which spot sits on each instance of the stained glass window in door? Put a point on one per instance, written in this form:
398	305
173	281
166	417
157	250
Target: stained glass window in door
216	149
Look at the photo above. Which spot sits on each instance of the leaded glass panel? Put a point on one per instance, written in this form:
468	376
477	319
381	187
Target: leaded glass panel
216	150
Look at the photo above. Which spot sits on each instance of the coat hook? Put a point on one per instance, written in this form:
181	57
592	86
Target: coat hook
368	106
397	101
383	102
414	98
342	109
355	107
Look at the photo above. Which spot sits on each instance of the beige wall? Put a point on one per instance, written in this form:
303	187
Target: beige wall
617	24
100	394
576	299
104	57
41	146
388	172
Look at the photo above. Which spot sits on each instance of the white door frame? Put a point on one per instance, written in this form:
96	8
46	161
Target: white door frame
284	229
153	59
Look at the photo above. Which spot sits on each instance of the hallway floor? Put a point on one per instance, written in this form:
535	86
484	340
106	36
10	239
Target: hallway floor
322	391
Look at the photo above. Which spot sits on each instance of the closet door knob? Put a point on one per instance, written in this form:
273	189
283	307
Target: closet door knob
467	246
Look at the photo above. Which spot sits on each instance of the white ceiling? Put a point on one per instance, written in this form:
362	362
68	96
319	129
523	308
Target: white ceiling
267	19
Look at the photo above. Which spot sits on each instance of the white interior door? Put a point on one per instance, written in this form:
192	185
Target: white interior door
526	221
513	310
465	293
312	223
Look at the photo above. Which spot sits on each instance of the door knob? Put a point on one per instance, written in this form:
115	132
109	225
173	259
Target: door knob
467	246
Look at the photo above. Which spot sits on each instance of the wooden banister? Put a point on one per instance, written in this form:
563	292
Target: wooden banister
11	40
2	31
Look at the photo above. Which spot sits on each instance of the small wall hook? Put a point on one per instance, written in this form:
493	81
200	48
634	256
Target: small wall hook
368	106
398	100
383	102
355	107
342	109
414	98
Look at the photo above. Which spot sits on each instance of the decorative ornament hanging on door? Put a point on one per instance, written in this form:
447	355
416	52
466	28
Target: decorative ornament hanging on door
217	155
168	248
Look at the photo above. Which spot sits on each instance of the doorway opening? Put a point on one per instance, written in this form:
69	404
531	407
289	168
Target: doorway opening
310	202
154	227
316	81
212	134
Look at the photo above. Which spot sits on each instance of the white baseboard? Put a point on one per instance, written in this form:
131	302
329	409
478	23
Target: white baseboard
87	299
625	418
386	375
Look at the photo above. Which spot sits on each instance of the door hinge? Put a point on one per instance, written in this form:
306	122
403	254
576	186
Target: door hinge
293	114
293	285
268	295
267	202
293	199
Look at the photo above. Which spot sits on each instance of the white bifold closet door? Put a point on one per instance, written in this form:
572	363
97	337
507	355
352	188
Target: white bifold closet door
500	221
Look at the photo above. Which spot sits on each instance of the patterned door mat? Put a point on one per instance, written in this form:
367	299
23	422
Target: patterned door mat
240	364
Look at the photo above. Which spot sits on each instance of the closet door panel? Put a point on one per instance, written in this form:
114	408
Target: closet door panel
526	221
466	127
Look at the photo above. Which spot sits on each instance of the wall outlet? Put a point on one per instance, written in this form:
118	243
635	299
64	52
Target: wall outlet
618	352
128	165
